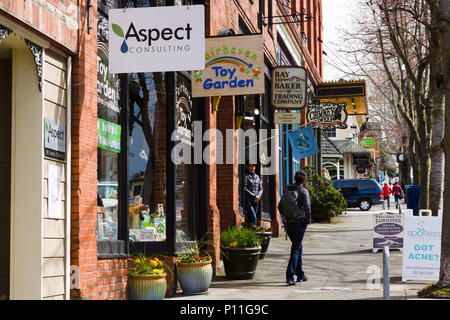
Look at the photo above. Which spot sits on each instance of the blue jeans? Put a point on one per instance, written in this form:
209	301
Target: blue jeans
296	232
251	208
396	201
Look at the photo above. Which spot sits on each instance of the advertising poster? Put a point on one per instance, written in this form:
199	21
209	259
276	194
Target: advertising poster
289	87
422	246
387	231
108	134
157	39
233	66
55	209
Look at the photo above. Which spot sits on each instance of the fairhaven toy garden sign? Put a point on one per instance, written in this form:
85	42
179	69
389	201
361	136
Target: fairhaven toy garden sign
233	66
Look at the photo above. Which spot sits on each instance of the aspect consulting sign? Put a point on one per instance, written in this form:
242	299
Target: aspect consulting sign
157	39
233	66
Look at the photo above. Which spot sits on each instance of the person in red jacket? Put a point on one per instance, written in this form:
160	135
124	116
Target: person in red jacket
397	191
387	194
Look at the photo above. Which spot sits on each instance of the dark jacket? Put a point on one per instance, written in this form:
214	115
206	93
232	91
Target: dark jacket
304	203
252	186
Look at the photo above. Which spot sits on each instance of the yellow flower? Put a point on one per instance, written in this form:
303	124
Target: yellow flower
158	271
233	244
159	261
153	263
138	260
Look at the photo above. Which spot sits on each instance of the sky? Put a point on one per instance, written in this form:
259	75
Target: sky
336	14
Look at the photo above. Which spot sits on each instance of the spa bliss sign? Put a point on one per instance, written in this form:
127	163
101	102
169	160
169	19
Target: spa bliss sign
157	39
233	66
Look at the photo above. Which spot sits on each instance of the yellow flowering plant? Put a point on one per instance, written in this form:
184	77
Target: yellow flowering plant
142	265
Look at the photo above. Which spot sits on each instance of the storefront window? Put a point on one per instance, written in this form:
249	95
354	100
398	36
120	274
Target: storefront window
108	143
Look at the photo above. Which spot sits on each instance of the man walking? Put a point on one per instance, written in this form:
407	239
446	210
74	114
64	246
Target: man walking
295	210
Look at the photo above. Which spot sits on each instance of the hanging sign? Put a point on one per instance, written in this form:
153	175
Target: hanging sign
289	87
157	39
108	134
367	142
54	139
303	143
327	115
387	231
360	160
422	246
286	117
233	66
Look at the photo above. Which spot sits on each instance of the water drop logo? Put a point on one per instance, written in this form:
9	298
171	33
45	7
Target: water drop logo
119	31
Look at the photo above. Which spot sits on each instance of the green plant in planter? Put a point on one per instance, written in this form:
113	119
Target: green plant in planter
240	238
326	201
246	225
265	233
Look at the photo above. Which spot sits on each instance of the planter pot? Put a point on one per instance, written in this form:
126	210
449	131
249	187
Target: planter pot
147	287
240	263
265	245
194	278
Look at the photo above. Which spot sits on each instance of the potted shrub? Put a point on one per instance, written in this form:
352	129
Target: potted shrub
146	278
326	201
194	269
241	249
265	233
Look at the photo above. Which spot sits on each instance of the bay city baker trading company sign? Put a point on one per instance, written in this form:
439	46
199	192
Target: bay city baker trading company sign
233	66
289	87
327	115
157	39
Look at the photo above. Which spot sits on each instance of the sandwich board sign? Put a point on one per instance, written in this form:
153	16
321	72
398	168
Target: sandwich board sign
422	246
157	39
387	231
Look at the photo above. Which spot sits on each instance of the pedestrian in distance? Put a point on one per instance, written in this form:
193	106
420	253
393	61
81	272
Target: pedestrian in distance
253	191
387	194
398	193
295	211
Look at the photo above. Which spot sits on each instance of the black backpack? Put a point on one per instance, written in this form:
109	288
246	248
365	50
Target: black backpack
289	206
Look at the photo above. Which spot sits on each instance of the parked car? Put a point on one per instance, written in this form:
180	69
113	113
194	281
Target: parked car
362	193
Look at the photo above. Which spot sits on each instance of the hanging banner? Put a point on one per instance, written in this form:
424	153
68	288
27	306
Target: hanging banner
233	66
157	39
422	246
303	143
387	231
289	87
327	115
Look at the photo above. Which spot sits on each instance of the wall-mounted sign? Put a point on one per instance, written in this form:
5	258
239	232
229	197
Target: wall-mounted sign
327	115
362	160
351	92
387	231
367	142
233	66
156	39
289	87
108	134
54	205
286	117
54	139
422	246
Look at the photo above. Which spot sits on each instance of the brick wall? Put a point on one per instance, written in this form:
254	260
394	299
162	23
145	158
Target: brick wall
98	278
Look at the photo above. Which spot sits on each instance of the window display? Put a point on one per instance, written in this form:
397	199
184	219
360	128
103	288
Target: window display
108	144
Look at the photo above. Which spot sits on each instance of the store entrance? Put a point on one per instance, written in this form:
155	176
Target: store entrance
5	170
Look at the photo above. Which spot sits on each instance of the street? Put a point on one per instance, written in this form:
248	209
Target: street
337	259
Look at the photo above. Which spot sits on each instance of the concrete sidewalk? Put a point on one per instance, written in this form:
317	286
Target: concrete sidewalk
337	259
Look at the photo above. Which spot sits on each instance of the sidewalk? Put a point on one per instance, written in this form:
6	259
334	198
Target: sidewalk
337	259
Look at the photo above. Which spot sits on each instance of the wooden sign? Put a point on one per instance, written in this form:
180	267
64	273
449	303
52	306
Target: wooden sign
233	66
289	87
327	115
287	117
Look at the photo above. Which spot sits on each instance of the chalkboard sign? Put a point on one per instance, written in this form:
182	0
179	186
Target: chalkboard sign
361	160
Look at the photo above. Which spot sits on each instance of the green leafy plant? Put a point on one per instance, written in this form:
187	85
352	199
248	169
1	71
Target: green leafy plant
193	252
240	238
142	265
326	201
246	225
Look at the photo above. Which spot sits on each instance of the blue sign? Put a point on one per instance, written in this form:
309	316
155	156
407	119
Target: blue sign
303	142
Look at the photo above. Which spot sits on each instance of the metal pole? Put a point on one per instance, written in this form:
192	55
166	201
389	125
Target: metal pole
386	279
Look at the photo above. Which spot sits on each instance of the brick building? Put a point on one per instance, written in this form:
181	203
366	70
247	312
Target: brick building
111	178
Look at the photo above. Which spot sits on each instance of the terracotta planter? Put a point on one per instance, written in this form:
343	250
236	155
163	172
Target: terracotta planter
240	263
267	235
147	287
194	278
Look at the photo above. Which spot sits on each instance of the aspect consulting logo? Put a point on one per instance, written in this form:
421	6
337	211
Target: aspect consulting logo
157	39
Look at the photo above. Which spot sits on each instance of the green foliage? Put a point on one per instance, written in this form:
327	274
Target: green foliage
326	201
117	30
193	251
240	238
246	225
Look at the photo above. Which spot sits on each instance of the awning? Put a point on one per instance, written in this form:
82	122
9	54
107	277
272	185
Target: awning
347	146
